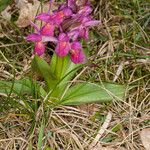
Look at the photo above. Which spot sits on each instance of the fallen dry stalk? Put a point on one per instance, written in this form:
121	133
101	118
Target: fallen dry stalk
101	131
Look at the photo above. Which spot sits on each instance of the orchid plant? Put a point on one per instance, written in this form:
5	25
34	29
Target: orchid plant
65	28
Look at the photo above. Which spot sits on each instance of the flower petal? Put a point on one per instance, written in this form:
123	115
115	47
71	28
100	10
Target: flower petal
63	37
74	34
34	37
84	33
58	17
72	4
49	39
67	12
92	23
43	17
47	30
35	26
76	46
39	48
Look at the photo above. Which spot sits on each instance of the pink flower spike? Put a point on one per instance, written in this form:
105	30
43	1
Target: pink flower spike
43	17
77	56
47	30
63	45
39	48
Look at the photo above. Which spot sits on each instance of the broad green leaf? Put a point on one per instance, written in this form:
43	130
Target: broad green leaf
83	93
20	87
4	4
41	67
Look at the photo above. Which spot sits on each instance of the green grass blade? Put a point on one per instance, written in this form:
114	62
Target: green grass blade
41	133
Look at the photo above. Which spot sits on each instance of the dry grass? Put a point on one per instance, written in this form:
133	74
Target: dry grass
120	50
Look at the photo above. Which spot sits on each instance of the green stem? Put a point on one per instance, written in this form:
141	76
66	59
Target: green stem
59	67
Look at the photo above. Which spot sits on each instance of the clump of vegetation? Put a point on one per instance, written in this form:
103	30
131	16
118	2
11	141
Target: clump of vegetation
33	111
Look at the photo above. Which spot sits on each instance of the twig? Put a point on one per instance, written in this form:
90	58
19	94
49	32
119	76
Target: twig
101	131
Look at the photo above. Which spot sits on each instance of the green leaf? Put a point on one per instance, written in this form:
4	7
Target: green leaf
48	148
83	93
19	87
62	66
63	69
108	138
40	138
4	4
116	128
41	67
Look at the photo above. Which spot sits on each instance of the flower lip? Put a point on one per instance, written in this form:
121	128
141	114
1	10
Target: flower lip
77	56
63	45
62	48
39	48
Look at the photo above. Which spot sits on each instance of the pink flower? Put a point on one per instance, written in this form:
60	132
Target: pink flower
39	39
65	26
77	56
63	45
39	48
